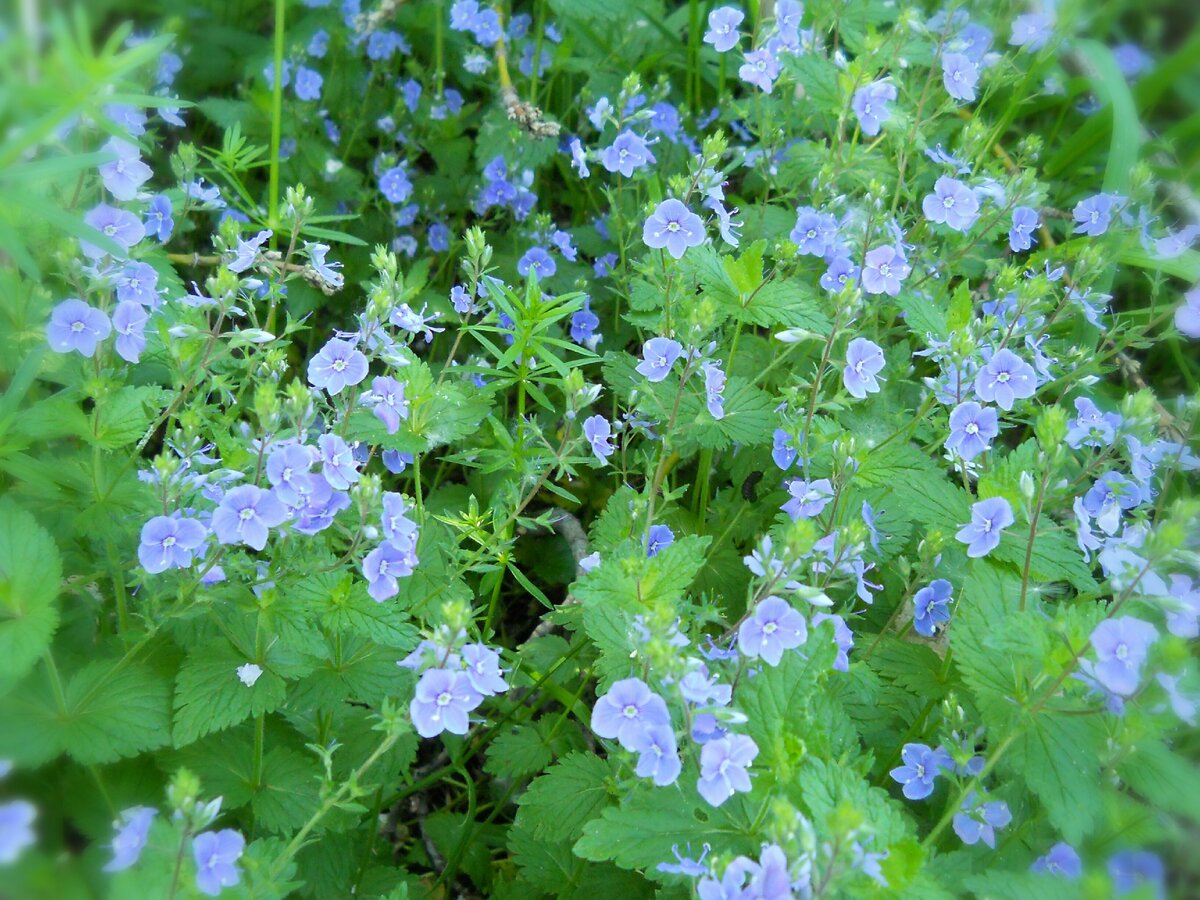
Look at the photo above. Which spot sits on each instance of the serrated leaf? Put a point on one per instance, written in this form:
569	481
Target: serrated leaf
584	777
209	696
30	573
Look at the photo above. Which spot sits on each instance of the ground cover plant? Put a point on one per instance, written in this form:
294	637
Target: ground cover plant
598	449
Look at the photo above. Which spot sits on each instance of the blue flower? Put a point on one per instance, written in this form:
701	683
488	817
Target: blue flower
308	83
1024	222
627	709
960	76
245	515
584	323
1031	31
169	542
782	450
870	105
130	839
972	429
1004	379
673	226
16	829
841	271
658	355
216	854
658	754
760	69
1111	493
482	665
538	261
395	185
977	821
723	765
808	498
723	28
391	406
952	203
714	387
126	173
442	702
628	153
158	218
772	628
659	538
884	268
931	606
814	233
337	461
989	518
1130	869
1122	645
864	361
1061	860
922	765
75	326
1093	215
338	364
597	430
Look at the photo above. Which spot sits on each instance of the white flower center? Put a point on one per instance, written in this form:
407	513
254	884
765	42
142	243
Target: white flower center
630	711
445	698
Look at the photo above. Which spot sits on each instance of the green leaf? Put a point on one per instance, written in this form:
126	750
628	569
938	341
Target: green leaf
1166	780
583	777
640	832
209	696
344	606
828	785
124	417
777	703
30	573
1057	757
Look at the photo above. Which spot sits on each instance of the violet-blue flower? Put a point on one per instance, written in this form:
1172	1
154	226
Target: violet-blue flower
538	261
395	185
137	282
130	322
972	429
870	105
159	222
808	498
245	515
584	323
443	702
714	389
1132	869
133	826
1005	379
841	271
977	821
723	28
1187	314
773	628
673	226
960	76
931	606
884	268
922	765
1025	222
864	362
658	538
338	364
1111	493
760	69
952	203
723	765
814	233
627	709
118	225
384	565
1031	31
597	430
658	355
1093	214
391	406
482	665
216	854
628	153
125	174
337	461
989	518
287	469
75	326
1061	860
16	829
169	542
1122	645
658	757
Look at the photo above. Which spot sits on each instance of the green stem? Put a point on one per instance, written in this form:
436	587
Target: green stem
276	121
